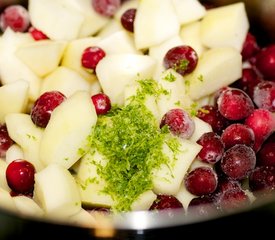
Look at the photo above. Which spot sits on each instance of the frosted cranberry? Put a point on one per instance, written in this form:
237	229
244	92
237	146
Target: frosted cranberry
164	201
179	123
266	154
183	59
202	206
43	107
238	133
16	17
212	116
227	184
238	161
250	46
107	8
212	148
37	34
91	57
264	95
20	176
265	62
5	140
201	181
235	104
102	103
262	122
127	19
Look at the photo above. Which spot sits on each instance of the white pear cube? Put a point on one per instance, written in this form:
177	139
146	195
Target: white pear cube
13	98
82	219
116	71
184	196
201	127
56	191
65	138
14	152
27	136
6	202
168	178
217	67
42	57
3	181
225	26
65	80
189	10
144	201
57	21
110	28
155	22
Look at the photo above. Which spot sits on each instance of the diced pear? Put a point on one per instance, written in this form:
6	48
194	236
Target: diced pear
198	163
123	69
90	184
144	201
6	201
57	21
225	26
65	137
56	191
201	127
27	206
184	196
82	219
27	136
190	35
155	22
189	10
14	152
9	62
217	67
73	53
110	28
167	179
42	57
3	181
65	80
13	98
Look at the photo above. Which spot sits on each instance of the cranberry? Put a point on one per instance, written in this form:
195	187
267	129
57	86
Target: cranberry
201	181
102	103
164	201
5	140
91	57
37	34
212	148
202	205
43	107
212	116
127	19
226	184
179	123
238	161
235	104
250	47
16	17
107	8
238	133
266	154
264	95
183	59
20	176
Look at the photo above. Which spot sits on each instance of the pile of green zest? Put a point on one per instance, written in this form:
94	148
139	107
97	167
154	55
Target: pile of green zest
131	140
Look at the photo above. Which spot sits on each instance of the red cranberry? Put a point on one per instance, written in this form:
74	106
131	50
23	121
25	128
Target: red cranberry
250	47
264	95
5	140
128	18
20	176
16	17
183	59
43	107
37	34
107	8
102	103
164	201
266	154
91	57
179	123
202	206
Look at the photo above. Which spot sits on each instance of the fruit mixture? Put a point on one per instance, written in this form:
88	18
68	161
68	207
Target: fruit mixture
127	105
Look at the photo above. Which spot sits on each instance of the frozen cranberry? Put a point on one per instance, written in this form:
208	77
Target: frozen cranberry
127	19
226	184
201	181
202	206
43	107
264	95
235	104
37	34
238	133
179	123
266	154
102	103
16	17
238	161
250	46
20	176
211	115
107	8
183	59
164	201
265	62
5	140
91	56
212	148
